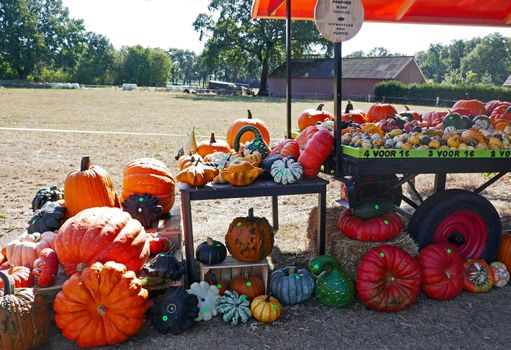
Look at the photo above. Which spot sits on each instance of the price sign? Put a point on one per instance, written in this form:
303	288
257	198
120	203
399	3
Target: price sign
339	20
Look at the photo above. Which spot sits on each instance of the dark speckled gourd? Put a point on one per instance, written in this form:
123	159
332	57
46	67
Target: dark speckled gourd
144	208
49	218
333	286
257	144
174	311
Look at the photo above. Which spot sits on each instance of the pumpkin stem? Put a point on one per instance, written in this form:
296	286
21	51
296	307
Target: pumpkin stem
8	283
85	164
268	298
210	241
212	139
80	267
320	107
245	275
292	270
249	114
407	108
101	309
251	215
213	279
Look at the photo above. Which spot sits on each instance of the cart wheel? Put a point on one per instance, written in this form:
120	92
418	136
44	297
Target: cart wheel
375	185
461	218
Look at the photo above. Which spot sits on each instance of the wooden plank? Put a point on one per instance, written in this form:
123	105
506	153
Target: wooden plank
170	228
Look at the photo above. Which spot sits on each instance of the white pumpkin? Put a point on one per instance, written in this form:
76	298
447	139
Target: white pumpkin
286	171
27	248
449	129
207	296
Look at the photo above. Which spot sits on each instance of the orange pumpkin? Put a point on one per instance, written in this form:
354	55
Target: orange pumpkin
89	187
151	176
380	111
247	137
356	115
241	172
212	146
312	116
189	160
251	286
104	305
504	251
475	107
473	134
101	235
21	275
265	308
501	113
249	238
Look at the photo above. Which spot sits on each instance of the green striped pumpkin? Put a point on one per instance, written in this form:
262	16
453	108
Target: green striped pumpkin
235	308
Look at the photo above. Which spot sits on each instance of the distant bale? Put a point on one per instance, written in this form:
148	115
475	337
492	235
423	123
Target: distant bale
129	87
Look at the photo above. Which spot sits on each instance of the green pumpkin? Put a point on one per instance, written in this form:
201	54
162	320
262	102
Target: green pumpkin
291	285
257	144
465	123
373	207
234	307
452	119
49	218
333	286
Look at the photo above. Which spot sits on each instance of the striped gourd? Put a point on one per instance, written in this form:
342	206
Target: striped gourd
235	308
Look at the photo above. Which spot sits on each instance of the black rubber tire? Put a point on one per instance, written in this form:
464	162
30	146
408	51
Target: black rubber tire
378	184
430	214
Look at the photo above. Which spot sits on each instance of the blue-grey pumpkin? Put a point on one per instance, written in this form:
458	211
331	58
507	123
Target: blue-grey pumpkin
291	285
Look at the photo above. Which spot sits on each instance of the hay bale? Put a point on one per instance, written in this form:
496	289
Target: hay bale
349	252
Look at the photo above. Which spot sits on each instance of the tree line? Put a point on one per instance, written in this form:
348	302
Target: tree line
40	42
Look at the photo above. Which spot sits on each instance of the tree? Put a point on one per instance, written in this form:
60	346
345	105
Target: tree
38	33
356	54
96	65
183	65
143	66
233	34
431	63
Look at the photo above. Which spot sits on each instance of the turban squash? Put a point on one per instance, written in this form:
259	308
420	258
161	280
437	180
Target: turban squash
382	228
103	305
101	235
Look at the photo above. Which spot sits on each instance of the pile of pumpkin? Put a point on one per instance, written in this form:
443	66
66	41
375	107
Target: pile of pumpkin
468	125
389	279
83	233
246	156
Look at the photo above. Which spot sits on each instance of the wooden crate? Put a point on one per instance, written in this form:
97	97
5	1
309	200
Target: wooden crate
170	228
231	268
163	284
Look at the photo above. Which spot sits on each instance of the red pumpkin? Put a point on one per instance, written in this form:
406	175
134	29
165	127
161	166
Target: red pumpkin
306	135
478	276
442	271
474	107
279	146
388	279
491	105
382	228
501	113
316	152
22	277
433	118
380	111
411	115
356	115
291	149
101	235
46	268
158	244
312	116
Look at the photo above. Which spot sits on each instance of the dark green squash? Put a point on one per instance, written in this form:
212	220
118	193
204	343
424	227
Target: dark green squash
49	218
373	207
333	286
452	119
465	123
165	265
144	208
46	194
174	312
211	252
257	144
266	165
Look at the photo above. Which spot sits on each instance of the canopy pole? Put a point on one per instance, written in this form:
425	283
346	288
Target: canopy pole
337	107
288	67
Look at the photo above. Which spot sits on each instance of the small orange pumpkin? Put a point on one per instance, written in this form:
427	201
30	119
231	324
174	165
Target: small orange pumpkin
197	175
187	161
89	187
473	134
310	117
504	251
252	286
265	308
212	146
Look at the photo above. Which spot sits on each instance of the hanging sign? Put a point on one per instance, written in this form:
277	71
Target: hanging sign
339	20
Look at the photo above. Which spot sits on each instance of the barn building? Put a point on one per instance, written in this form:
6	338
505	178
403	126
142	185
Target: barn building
507	83
314	78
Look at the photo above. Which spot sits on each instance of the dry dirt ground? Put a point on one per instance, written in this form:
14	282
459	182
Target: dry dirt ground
34	158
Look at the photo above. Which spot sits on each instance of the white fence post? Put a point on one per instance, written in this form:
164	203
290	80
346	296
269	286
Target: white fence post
437	101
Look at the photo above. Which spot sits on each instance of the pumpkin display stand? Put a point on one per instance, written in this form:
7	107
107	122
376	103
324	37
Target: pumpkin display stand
169	226
231	268
49	293
349	252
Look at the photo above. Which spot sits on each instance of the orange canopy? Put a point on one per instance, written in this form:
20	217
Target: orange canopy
462	12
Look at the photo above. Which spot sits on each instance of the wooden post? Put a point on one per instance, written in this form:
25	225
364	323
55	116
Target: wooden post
337	107
288	67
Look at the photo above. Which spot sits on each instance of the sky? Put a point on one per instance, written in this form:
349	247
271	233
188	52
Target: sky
168	23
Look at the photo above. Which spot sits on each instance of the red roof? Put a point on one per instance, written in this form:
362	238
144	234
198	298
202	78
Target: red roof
462	12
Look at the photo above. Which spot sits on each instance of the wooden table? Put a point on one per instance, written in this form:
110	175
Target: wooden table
260	188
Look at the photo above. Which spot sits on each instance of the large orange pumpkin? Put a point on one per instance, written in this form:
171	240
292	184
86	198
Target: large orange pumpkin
380	111
212	146
249	136
104	305
151	176
89	187
249	238
101	235
475	107
504	251
312	116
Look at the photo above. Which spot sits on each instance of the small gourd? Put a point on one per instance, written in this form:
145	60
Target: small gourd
234	307
286	171
257	144
197	175
165	265
241	173
333	286
207	296
265	308
500	274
